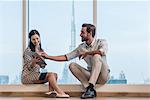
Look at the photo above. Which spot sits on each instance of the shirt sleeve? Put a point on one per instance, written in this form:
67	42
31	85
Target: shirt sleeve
75	53
103	46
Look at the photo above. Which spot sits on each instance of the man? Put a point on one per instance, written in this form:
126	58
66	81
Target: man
93	51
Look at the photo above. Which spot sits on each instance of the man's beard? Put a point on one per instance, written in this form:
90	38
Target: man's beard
83	39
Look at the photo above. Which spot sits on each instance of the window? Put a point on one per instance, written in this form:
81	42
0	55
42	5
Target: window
55	20
10	41
123	23
125	26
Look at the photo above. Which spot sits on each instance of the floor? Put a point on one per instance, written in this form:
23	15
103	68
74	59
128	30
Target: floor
74	98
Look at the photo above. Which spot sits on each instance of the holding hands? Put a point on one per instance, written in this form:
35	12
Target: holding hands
45	55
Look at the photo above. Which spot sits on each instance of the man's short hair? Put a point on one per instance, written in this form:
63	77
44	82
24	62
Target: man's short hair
90	28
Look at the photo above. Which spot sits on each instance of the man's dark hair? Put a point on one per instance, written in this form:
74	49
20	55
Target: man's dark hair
90	28
31	45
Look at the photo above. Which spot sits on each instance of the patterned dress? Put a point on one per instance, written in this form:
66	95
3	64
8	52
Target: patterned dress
29	73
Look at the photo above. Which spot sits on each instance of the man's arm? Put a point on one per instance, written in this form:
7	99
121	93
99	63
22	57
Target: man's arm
58	58
55	58
94	52
84	54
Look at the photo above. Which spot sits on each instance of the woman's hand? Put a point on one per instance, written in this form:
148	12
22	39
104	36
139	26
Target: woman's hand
43	54
35	59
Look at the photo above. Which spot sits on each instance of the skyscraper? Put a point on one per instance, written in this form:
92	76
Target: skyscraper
73	28
67	76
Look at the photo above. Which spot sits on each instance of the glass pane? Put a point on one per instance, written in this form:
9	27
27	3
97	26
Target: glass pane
125	25
56	22
10	41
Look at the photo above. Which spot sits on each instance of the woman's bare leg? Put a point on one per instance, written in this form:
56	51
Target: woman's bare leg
52	79
50	87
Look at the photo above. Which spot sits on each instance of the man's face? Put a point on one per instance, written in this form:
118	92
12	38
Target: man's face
84	34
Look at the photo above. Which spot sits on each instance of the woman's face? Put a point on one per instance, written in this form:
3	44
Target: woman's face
35	39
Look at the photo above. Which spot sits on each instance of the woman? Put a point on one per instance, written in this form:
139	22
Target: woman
31	69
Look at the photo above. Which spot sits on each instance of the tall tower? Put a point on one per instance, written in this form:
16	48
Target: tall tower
73	29
70	78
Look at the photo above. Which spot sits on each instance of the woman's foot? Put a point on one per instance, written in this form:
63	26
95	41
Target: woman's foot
52	94
62	95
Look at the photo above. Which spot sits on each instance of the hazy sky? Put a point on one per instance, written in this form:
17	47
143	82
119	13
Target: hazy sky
123	23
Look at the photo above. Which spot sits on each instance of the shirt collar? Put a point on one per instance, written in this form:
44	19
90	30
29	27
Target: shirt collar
91	45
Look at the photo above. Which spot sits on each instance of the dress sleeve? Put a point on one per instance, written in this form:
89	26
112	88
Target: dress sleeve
27	59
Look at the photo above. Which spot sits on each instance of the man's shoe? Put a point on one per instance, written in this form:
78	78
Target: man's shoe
90	93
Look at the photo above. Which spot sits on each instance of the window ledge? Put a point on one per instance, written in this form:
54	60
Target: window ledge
142	90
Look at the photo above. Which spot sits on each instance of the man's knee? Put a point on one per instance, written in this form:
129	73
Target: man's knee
97	59
97	56
72	66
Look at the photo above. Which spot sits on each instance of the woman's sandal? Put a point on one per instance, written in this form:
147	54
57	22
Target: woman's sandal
51	94
62	95
54	94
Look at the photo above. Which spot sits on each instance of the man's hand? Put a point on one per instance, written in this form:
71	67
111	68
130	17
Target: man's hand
43	54
83	55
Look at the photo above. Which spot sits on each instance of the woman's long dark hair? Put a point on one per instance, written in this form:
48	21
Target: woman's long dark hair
31	45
